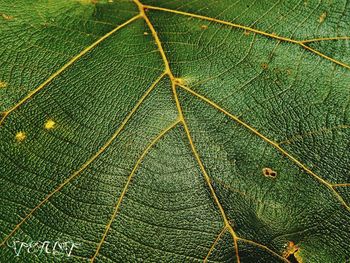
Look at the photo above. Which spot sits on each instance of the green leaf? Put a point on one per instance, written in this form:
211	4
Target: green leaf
175	131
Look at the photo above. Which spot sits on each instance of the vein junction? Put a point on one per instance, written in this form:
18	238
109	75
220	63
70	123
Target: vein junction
177	83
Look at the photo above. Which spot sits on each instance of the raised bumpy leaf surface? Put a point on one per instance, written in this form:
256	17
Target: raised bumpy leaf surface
175	131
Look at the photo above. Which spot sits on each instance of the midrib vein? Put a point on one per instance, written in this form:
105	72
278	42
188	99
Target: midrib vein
302	43
183	121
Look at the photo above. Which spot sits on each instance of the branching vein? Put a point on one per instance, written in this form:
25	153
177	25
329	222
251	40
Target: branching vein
274	144
86	164
271	35
122	195
67	65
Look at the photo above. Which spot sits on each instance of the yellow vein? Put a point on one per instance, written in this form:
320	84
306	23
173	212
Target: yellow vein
222	22
324	56
298	137
214	244
206	176
85	165
341	185
247	28
274	144
130	177
173	81
265	248
67	65
155	36
325	39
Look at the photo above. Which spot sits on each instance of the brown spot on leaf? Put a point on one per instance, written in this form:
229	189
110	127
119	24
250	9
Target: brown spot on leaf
268	172
264	65
246	32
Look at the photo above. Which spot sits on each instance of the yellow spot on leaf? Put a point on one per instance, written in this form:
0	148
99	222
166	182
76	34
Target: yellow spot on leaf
268	172
7	17
20	136
204	27
246	32
145	33
322	17
3	84
50	124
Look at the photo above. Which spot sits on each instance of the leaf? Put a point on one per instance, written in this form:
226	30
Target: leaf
175	131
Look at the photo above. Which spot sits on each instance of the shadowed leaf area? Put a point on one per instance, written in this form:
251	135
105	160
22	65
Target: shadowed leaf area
175	131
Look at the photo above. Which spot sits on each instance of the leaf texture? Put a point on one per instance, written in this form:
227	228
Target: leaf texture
176	131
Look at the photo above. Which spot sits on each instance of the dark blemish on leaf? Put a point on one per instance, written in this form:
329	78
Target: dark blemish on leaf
264	65
268	172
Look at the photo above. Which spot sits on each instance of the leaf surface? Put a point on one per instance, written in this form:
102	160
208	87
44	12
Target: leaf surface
175	131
